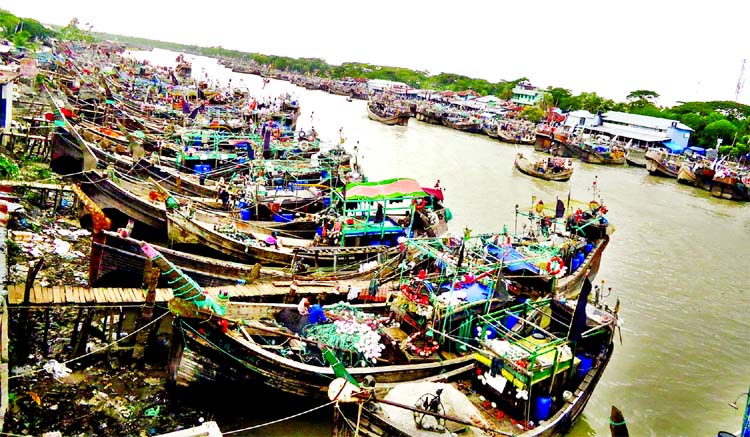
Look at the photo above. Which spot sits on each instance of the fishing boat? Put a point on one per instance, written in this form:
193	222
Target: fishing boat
430	113
292	348
606	154
659	162
463	122
550	169
635	156
536	366
387	112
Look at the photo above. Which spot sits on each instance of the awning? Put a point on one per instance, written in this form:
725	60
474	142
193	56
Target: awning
673	147
513	260
384	190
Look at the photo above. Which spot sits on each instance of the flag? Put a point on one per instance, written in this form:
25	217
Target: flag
578	323
560	209
185	106
201	95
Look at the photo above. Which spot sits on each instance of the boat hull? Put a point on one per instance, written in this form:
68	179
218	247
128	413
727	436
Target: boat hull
527	167
212	358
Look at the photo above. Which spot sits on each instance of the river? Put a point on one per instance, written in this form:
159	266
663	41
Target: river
676	262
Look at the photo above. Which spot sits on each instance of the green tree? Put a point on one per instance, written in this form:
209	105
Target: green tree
723	129
532	113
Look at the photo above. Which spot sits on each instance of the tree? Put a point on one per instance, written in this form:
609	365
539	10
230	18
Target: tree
649	96
723	129
532	113
559	96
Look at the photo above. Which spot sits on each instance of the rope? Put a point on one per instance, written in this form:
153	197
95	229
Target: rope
282	419
613	423
31	372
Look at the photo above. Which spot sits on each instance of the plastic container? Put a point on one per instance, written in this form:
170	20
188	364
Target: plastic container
283	218
585	365
574	264
510	321
326	201
246	214
589	247
241	204
542	408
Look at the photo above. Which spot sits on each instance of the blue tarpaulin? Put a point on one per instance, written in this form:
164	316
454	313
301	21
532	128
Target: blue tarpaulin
513	260
699	150
673	147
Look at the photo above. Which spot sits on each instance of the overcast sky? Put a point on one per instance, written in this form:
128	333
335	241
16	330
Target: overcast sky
684	51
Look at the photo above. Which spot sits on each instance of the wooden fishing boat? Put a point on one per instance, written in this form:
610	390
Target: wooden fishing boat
515	137
118	260
430	114
387	114
659	162
283	348
636	156
536	368
543	138
464	124
602	154
246	242
490	130
550	169
686	175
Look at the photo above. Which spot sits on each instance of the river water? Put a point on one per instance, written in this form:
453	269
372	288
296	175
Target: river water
677	261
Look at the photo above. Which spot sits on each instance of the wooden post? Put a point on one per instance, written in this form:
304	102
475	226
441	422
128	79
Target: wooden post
83	337
148	312
23	344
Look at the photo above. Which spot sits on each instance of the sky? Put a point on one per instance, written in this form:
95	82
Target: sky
683	50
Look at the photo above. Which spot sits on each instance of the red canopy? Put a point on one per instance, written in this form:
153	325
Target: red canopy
434	192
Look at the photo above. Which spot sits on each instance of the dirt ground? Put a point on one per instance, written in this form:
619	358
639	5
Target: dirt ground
100	395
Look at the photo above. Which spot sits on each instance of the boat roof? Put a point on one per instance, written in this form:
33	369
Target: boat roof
384	190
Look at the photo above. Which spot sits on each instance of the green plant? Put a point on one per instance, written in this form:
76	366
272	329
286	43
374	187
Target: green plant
8	168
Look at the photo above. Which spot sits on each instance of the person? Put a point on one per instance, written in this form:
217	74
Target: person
304	306
379	216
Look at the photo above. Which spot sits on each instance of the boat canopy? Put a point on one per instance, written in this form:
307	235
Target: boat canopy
674	147
697	150
389	189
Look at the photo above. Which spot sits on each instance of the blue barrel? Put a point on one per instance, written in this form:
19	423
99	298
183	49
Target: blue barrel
589	248
574	264
241	204
542	408
246	214
326	201
323	175
510	321
585	365
581	258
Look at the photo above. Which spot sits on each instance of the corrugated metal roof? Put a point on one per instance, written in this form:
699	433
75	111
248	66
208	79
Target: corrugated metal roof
634	133
642	120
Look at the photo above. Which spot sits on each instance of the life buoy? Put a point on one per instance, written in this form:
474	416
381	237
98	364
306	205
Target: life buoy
558	265
429	348
276	134
419	203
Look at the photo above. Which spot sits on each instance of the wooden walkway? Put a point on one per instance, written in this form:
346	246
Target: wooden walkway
132	296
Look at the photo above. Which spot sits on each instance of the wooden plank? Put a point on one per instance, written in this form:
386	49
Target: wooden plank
138	296
15	293
37	295
57	296
70	297
100	295
88	295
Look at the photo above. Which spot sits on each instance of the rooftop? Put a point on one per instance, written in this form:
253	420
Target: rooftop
642	120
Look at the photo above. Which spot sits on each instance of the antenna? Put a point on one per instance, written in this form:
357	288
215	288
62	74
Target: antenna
740	82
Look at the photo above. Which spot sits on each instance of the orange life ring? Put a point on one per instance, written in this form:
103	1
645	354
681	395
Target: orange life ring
419	203
558	265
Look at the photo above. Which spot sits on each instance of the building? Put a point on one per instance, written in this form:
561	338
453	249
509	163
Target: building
639	130
381	85
526	94
6	97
